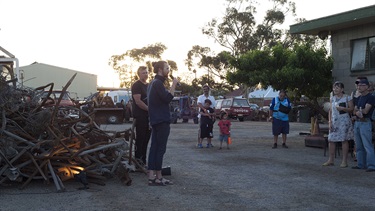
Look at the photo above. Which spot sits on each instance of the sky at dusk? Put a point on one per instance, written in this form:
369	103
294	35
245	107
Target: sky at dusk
83	35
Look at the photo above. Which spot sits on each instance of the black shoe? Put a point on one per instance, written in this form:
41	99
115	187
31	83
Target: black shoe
370	170
284	146
274	146
355	167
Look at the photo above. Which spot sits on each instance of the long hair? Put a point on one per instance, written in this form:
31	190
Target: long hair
157	65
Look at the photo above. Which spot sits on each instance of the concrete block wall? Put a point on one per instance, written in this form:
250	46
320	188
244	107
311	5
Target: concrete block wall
341	53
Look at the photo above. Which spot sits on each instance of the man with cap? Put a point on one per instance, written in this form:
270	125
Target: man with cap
363	128
200	101
280	119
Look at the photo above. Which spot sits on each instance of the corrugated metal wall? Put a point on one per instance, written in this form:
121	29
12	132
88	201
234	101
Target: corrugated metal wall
39	74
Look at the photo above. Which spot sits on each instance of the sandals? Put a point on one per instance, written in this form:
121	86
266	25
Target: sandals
153	182
328	164
159	182
343	165
165	181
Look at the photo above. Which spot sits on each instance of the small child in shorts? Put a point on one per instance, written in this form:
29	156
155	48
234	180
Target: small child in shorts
207	123
224	125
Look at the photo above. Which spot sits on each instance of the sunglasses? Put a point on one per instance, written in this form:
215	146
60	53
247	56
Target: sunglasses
357	82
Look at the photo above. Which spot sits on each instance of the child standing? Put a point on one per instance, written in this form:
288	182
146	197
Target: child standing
207	123
224	125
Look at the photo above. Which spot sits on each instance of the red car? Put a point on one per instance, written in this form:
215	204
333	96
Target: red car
54	97
66	106
236	108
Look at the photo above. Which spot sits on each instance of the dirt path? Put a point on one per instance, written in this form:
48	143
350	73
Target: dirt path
249	176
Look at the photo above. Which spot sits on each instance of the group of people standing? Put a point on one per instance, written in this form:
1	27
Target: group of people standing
152	118
350	117
206	104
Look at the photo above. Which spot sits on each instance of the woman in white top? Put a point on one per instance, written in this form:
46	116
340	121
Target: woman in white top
340	125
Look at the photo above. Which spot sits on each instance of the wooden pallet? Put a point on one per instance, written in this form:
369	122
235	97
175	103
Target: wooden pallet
316	141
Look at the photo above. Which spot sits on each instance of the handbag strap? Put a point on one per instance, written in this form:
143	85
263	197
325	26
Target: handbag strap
347	102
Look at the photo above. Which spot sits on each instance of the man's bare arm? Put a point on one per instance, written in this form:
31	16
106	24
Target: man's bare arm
139	102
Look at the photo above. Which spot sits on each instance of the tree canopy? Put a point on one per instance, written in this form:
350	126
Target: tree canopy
303	69
254	53
126	64
264	53
238	30
215	65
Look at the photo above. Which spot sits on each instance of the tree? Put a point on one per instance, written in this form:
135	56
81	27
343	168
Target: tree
238	30
261	52
303	70
215	65
126	64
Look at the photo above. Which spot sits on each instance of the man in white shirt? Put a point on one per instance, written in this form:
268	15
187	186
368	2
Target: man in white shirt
200	103
204	96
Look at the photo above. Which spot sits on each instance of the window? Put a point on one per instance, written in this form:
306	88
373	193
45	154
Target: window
363	54
371	43
218	103
240	103
226	104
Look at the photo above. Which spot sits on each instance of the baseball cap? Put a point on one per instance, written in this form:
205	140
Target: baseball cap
364	81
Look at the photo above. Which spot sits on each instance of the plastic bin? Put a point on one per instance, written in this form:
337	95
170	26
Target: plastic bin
304	115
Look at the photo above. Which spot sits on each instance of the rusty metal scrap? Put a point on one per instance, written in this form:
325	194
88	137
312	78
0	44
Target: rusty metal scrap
41	143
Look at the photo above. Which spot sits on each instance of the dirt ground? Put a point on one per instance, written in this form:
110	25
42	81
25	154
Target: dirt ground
248	176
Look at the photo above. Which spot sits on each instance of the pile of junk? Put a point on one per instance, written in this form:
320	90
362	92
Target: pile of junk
41	142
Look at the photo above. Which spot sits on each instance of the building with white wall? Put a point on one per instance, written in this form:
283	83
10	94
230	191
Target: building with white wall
39	74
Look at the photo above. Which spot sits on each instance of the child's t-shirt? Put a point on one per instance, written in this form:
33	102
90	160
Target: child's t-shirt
206	119
224	126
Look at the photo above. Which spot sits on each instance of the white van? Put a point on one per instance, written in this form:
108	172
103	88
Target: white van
117	96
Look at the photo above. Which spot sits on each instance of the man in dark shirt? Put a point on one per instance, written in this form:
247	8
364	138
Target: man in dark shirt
140	114
158	103
362	128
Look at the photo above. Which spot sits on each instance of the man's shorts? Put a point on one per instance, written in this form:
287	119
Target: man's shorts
279	127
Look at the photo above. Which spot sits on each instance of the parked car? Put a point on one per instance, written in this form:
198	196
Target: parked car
254	106
236	108
67	107
183	108
55	95
106	111
118	96
218	108
174	110
265	108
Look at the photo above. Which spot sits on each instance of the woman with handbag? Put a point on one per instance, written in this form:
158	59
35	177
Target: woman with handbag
340	124
279	110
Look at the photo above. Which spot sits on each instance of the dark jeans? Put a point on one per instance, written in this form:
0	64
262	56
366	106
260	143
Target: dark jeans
142	138
159	138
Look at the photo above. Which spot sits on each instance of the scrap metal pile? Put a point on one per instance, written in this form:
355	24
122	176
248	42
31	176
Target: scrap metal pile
38	142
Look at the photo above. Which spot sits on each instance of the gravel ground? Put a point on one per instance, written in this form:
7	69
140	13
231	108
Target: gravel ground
248	176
